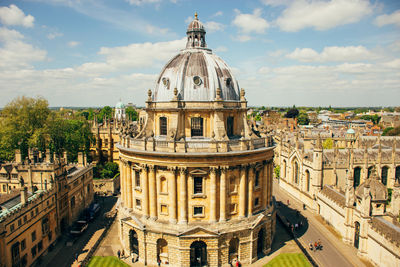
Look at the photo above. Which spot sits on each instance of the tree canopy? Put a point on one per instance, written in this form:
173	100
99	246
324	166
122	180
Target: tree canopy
28	122
292	113
303	119
131	113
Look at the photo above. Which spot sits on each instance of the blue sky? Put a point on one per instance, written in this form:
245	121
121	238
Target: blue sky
283	53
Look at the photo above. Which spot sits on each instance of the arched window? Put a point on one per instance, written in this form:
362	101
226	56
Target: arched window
307	181
232	185
133	242
162	251
296	172
356	178
163	126
284	169
163	185
356	234
257	178
397	174
197	126
384	175
261	243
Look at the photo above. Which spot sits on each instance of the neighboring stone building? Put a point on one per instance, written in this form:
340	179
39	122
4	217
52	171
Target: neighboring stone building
28	223
196	181
106	186
347	185
73	182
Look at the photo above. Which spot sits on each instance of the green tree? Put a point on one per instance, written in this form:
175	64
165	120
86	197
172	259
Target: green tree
292	113
327	143
131	113
386	130
21	125
105	112
303	119
109	170
277	171
393	132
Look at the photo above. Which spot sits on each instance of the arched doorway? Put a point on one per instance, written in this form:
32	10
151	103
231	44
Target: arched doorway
233	249
356	234
261	243
198	254
133	242
162	251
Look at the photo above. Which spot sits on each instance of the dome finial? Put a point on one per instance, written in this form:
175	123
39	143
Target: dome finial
195	15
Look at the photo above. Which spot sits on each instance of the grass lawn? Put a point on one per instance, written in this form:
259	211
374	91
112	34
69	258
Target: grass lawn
289	260
109	261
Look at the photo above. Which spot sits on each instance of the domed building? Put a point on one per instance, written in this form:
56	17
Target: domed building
119	113
196	181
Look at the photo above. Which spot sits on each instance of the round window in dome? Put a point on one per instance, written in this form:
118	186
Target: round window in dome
165	82
197	80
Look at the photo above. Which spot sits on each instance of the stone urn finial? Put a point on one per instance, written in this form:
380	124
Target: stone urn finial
149	93
242	93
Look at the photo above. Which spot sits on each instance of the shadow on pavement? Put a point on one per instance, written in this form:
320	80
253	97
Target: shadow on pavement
290	217
280	238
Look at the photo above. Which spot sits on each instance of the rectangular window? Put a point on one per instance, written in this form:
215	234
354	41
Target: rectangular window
138	204
72	202
198	211
233	208
12	227
198	185
164	209
45	226
15	253
257	179
256	202
163	126
33	235
33	251
137	178
4	188
19	222
232	185
197	126
40	245
229	126
23	244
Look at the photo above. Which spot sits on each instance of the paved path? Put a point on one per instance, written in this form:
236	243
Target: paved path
335	252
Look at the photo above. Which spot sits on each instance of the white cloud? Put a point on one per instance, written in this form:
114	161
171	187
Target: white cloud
150	29
217	14
393	64
188	19
250	23
393	18
73	43
331	54
322	15
243	38
220	49
141	2
54	35
212	26
15	53
12	15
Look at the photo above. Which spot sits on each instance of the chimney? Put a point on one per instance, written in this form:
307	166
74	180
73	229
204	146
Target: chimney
84	159
18	156
80	159
24	195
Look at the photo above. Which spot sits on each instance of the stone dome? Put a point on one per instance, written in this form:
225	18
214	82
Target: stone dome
377	190
350	131
196	72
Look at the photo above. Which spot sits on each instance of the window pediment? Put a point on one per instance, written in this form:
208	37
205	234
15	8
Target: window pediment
198	172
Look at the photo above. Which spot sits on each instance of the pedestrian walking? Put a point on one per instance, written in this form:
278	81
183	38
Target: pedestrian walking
76	256
288	202
159	262
119	254
316	245
310	246
123	254
319	244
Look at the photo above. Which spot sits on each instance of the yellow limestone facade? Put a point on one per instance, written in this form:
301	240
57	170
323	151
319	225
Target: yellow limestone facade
196	181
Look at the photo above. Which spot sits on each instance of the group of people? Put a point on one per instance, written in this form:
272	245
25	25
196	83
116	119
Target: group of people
317	245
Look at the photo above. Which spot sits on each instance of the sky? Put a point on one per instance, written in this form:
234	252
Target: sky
342	53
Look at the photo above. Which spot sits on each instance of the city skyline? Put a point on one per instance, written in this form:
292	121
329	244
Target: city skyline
303	53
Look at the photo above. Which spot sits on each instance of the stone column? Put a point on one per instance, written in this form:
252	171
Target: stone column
265	186
183	218
152	192
129	185
222	205
251	188
242	192
213	195
121	180
145	190
173	202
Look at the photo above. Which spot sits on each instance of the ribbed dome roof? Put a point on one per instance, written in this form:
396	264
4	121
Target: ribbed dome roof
196	72
120	105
